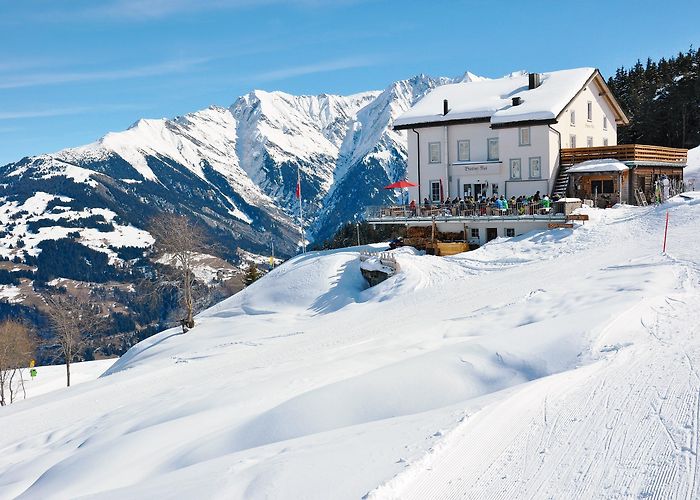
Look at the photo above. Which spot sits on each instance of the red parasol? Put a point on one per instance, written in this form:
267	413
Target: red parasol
400	184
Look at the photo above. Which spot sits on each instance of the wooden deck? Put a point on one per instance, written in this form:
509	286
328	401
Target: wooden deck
637	153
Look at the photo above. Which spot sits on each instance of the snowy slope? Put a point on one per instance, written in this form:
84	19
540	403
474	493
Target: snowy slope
559	364
53	377
692	171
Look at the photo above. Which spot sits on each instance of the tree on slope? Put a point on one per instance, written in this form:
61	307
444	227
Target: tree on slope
16	348
251	275
178	242
73	321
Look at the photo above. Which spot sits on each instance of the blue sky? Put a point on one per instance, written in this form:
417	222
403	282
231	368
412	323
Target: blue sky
72	70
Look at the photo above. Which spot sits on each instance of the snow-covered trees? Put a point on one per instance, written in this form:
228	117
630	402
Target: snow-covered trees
16	349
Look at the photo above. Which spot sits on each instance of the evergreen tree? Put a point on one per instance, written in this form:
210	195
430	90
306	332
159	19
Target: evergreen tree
662	101
251	274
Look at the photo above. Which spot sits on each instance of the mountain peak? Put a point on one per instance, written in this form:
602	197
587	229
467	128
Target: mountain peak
468	76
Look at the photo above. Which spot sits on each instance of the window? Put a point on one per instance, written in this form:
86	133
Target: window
435	191
589	142
605	123
463	153
494	188
510	232
535	167
573	117
602	187
524	136
605	141
572	141
492	153
434	152
475	232
515	167
590	111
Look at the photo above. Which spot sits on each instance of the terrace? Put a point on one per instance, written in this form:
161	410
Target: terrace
635	154
465	212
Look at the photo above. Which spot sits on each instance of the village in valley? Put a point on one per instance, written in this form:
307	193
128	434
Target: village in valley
474	286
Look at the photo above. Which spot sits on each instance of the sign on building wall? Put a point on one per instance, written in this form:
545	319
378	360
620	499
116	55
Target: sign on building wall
494	168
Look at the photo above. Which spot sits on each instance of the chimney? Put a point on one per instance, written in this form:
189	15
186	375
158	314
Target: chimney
534	80
517	101
445	109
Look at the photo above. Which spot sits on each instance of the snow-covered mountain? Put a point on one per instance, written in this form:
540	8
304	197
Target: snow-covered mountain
235	168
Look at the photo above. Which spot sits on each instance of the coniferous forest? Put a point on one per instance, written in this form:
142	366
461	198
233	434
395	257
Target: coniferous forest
662	100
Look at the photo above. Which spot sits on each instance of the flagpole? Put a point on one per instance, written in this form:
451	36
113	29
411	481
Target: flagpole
301	212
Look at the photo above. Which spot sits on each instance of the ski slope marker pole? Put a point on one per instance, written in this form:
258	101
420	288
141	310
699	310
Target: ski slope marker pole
665	231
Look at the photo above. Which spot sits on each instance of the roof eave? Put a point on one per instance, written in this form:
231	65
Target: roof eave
440	123
524	123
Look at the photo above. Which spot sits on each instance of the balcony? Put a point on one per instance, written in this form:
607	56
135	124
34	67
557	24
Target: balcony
464	212
638	154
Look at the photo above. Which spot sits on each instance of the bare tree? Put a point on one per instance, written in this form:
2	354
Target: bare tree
16	348
178	241
73	322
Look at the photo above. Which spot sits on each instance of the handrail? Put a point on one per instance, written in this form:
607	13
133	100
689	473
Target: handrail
462	209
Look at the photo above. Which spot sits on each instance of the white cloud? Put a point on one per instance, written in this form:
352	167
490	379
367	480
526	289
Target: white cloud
310	69
135	10
45	113
60	77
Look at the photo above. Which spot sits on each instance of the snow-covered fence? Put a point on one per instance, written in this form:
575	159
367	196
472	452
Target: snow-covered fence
385	258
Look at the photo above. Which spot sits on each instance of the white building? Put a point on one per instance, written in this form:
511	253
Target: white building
504	136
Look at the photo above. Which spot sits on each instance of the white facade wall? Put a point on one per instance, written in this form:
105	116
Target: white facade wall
583	128
528	182
479	173
462	177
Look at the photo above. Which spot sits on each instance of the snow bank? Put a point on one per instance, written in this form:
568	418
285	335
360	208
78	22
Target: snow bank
692	171
309	385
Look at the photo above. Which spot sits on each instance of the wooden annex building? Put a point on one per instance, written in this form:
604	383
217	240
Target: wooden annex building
646	165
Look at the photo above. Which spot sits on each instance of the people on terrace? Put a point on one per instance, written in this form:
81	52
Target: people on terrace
483	205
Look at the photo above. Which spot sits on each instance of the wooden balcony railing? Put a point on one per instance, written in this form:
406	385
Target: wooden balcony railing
626	152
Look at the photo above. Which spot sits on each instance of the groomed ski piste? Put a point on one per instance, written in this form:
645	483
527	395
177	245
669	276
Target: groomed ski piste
558	364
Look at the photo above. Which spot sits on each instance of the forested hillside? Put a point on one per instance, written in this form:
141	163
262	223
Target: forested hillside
662	100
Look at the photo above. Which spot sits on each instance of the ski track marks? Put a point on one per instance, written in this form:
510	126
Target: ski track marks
625	426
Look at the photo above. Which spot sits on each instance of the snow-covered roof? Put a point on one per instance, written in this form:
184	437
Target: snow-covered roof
492	99
592	166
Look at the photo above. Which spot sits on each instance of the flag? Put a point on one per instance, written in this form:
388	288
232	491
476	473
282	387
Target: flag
298	193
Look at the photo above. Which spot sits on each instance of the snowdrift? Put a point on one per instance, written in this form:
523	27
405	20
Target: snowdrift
474	375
